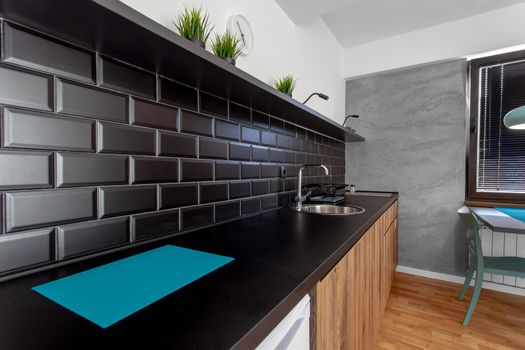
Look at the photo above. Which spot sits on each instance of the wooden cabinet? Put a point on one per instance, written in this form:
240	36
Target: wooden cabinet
351	298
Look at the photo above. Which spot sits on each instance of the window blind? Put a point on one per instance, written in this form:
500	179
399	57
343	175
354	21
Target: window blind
501	151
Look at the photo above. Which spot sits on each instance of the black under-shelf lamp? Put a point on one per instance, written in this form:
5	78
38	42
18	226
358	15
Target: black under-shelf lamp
321	95
348	117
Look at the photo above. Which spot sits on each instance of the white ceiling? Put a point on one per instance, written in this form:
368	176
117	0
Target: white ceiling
355	22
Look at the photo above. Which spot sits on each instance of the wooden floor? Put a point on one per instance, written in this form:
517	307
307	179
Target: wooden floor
425	314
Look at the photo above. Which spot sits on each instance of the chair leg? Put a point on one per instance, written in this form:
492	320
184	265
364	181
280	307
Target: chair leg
461	295
475	297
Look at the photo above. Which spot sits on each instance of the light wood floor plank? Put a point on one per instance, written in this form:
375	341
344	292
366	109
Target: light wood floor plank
424	313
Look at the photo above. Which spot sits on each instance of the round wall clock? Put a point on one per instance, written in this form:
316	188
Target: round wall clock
239	25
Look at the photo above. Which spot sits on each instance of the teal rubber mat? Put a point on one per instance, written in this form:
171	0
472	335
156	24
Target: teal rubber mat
111	292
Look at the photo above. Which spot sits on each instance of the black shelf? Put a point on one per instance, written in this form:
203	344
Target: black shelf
118	31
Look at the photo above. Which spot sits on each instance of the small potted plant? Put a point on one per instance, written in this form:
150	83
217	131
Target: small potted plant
227	46
286	84
194	25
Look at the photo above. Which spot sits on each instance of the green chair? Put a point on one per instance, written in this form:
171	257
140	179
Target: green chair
507	265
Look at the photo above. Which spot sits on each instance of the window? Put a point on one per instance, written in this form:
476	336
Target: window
496	159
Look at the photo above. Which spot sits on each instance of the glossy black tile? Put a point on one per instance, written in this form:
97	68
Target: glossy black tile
276	155
154	115
283	141
227	170
154	170
25	89
269	170
26	249
276	185
177	145
289	157
290	129
260	120
213	192
284	199
239	189
213	105
26	129
227	210
85	237
120	200
260	154
197	216
178	94
126	78
227	130
260	187
116	138
212	148
277	125
250	170
250	135
77	169
24	170
48	207
240	113
155	224
195	170
194	123
249	206
90	102
301	133
269	202
290	184
268	138
239	151
36	51
179	195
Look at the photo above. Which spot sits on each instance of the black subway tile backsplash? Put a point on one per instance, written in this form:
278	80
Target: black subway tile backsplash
120	200
86	237
154	170
178	195
116	138
78	169
42	53
250	135
154	115
213	148
239	189
91	102
227	130
213	192
125	78
27	129
175	144
23	170
240	113
48	207
89	160
155	224
197	216
227	170
239	151
250	170
26	89
26	249
227	210
213	105
194	123
196	170
251	205
178	94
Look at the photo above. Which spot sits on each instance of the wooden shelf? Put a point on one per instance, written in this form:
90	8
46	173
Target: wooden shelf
118	31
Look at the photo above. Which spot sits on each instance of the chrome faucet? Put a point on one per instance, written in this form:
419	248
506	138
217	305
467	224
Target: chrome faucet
300	198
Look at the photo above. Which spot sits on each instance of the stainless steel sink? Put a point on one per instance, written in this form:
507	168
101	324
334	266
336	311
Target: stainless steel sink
329	209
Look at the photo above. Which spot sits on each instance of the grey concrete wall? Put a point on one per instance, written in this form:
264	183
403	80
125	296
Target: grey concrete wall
414	124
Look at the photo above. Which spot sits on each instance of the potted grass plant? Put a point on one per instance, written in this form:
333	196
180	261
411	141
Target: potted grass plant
194	24
285	84
227	46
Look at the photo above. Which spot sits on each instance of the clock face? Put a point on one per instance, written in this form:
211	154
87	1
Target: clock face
240	26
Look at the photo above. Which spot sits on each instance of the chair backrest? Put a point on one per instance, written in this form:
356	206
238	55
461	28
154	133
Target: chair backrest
471	223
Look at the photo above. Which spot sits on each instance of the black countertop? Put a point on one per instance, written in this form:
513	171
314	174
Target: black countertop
279	256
